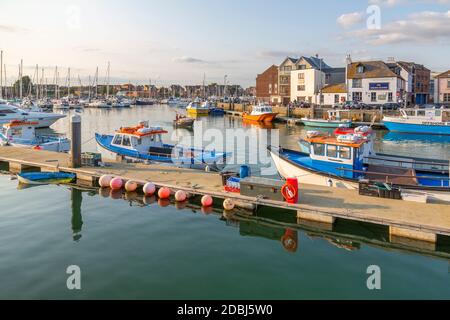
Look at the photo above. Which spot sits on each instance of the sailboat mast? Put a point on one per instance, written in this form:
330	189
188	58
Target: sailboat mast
20	79
89	89
68	83
107	81
96	82
1	74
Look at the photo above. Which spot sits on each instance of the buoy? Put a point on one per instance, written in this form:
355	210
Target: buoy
148	200
164	193
116	183
163	202
105	180
207	201
228	204
149	189
180	196
131	186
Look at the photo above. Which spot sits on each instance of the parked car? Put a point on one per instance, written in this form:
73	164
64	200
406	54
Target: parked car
391	106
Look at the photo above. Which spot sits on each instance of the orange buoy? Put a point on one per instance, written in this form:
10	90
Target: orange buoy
180	196
207	201
149	189
105	181
164	193
130	186
116	183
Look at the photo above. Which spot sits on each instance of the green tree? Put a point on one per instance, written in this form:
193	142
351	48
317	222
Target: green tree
26	83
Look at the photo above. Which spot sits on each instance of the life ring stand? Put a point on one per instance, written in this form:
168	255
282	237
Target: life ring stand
288	192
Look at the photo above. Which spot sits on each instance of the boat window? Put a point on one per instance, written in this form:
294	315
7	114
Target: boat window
331	151
126	141
7	111
139	141
421	113
344	152
319	149
118	139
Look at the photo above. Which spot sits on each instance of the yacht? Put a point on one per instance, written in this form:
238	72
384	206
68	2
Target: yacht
10	113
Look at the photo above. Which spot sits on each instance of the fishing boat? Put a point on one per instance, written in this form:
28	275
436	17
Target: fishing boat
197	108
420	121
344	159
23	134
10	113
326	123
143	143
42	178
260	113
183	121
213	109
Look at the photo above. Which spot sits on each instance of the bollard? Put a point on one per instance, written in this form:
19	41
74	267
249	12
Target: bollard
75	142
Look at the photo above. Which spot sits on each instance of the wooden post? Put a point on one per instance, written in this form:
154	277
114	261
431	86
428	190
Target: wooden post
75	142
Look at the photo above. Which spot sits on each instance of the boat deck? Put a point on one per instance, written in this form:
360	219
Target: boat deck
323	201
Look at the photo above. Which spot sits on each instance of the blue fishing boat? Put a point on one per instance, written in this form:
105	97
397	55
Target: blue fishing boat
42	178
344	159
420	121
144	143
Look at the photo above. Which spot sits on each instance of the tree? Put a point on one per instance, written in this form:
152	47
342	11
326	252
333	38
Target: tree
26	83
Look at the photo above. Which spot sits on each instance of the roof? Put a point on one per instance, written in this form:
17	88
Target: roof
335	88
372	69
334	141
316	63
445	74
268	69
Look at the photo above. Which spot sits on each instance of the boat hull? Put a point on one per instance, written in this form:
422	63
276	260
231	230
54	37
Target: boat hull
203	112
418	128
267	117
326	124
42	178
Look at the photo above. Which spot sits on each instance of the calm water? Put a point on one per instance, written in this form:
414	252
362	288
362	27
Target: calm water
126	249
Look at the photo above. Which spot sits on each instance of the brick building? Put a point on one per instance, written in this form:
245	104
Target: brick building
267	84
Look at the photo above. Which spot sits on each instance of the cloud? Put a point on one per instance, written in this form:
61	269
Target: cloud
87	49
189	60
11	29
386	3
422	27
348	20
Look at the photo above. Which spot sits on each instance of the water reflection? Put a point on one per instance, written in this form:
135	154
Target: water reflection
77	219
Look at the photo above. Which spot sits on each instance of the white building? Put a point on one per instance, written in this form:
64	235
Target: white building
373	82
334	94
306	85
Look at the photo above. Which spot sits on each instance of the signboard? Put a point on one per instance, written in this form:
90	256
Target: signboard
379	86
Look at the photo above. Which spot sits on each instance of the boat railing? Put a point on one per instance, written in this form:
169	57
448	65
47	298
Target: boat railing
414	163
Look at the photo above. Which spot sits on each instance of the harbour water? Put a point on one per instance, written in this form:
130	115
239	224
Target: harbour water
127	249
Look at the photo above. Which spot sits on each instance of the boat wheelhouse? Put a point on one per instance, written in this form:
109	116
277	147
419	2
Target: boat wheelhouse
23	134
344	159
260	113
422	121
197	108
145	143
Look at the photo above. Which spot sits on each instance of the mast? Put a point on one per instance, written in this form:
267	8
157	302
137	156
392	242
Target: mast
89	89
96	82
20	79
68	83
81	87
1	74
107	80
6	82
56	83
204	88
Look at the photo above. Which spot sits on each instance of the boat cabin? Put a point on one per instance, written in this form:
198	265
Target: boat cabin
141	138
428	114
340	155
261	109
20	130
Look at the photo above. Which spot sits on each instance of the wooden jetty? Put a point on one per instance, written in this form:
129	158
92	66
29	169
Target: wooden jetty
319	205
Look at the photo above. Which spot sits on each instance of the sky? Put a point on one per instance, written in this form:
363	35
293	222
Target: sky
181	41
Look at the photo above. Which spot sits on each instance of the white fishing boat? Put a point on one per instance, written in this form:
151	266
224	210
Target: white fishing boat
10	113
23	134
420	121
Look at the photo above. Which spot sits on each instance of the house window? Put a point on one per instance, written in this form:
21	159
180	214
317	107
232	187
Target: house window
336	98
373	97
446	97
357	83
448	84
287	68
301	67
301	88
357	96
332	151
360	69
276	88
270	88
301	76
322	99
319	149
390	96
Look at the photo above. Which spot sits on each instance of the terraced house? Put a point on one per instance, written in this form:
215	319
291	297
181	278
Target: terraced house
443	88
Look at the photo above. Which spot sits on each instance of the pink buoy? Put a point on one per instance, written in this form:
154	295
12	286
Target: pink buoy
164	193
105	180
180	196
149	189
116	183
130	186
207	201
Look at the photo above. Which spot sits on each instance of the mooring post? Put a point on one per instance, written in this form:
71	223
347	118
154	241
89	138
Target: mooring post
75	142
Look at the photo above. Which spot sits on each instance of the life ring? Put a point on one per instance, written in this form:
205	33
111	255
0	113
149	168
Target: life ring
288	192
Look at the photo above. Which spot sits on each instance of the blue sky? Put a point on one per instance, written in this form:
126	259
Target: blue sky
177	41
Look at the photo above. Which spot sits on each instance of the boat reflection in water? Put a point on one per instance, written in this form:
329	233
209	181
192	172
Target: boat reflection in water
414	137
256	124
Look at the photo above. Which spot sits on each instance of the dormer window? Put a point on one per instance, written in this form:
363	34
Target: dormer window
360	69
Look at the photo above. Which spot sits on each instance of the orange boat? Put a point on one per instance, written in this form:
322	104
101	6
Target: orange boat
260	113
